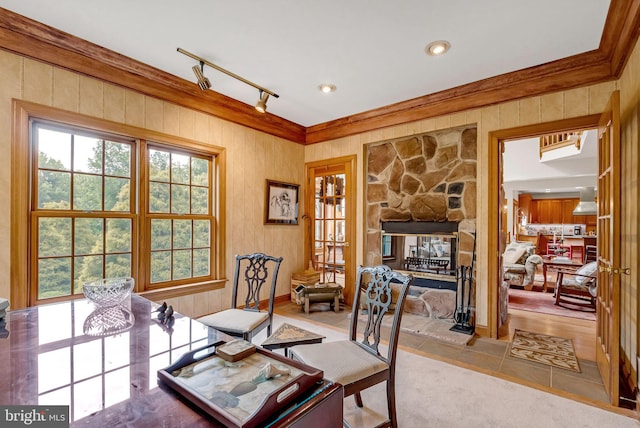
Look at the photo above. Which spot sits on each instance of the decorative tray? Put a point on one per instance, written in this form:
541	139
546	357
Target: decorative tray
243	393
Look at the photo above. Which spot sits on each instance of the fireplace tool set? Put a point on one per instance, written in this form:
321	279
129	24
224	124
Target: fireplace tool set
464	276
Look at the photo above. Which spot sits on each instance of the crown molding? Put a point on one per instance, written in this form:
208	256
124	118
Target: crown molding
40	42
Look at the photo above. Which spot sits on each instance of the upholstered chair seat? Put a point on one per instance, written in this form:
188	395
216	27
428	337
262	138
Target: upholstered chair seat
343	361
235	321
244	318
360	364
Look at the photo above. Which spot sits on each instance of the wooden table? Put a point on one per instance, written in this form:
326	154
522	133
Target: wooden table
288	335
554	264
48	360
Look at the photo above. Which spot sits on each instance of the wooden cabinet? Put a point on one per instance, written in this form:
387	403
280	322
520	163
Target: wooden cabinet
556	211
549	211
568	205
525	205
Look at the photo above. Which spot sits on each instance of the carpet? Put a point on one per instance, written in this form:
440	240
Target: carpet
436	394
536	301
541	348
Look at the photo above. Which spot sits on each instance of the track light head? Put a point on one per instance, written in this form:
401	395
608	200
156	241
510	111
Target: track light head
261	106
203	82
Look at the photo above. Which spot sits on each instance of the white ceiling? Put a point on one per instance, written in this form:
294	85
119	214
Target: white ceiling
372	50
564	175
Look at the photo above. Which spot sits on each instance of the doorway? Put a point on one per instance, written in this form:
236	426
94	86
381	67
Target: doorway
608	292
330	207
547	207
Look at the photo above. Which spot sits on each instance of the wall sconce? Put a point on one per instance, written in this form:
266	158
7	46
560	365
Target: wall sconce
205	84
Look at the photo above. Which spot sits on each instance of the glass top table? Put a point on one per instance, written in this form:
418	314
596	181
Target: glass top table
106	380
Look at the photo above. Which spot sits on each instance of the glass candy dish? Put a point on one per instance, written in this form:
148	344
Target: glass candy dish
108	291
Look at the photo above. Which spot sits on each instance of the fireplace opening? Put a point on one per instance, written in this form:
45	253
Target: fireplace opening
427	250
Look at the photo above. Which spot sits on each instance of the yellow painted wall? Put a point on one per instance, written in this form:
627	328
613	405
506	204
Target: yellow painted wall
252	157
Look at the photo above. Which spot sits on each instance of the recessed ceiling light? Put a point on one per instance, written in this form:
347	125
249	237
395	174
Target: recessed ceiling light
437	48
327	88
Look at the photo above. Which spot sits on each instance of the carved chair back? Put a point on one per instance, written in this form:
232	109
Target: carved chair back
375	298
257	270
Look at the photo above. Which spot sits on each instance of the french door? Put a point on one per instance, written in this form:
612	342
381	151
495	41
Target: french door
608	296
330	235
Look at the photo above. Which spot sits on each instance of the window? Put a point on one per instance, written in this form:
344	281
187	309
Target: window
178	216
83	216
108	200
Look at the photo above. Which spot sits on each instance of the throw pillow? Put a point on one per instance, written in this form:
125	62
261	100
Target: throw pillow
440	304
588	269
513	254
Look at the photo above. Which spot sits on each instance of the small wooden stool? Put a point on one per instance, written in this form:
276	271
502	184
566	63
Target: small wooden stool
328	292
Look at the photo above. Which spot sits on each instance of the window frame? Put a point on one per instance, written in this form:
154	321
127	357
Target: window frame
21	200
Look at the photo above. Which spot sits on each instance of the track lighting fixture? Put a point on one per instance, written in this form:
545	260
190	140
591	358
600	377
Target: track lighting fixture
261	106
205	84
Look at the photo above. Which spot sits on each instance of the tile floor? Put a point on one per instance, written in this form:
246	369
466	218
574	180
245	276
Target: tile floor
490	356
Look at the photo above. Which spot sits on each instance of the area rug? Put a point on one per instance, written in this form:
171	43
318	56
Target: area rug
537	301
459	397
541	348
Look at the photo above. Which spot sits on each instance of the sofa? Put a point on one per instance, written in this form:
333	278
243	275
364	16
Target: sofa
519	262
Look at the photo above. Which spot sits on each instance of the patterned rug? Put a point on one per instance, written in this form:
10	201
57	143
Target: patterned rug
540	348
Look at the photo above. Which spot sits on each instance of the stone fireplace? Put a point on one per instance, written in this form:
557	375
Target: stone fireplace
430	177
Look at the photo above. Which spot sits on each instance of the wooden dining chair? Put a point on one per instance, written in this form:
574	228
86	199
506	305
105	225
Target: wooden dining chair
358	365
244	318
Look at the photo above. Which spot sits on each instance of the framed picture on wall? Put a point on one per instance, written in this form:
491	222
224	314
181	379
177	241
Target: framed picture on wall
281	206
